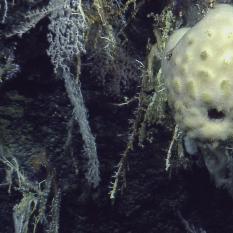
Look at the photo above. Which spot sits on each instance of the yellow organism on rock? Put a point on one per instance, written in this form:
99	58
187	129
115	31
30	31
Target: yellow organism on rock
198	72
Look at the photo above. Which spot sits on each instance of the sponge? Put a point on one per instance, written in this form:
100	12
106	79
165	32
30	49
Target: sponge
198	70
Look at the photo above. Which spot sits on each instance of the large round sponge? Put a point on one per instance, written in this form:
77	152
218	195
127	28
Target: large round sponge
198	71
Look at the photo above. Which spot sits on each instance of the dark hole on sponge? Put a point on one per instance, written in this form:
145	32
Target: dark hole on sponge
214	114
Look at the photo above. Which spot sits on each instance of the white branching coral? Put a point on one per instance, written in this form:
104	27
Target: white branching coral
66	38
80	114
67	30
4	6
33	205
31	18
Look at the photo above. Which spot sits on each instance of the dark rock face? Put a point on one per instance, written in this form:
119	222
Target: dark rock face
35	117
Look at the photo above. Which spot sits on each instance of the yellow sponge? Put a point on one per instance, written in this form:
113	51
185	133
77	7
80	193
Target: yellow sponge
198	72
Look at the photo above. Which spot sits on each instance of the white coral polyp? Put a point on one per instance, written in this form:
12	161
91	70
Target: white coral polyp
198	71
